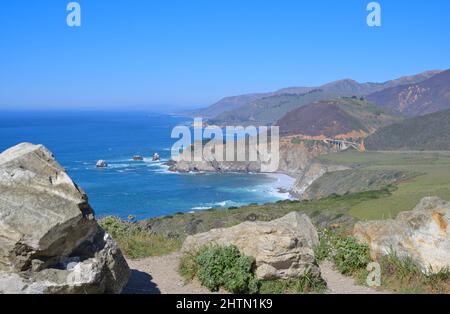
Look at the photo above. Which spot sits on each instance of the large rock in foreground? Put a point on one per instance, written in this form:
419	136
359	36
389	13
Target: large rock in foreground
283	248
49	239
421	235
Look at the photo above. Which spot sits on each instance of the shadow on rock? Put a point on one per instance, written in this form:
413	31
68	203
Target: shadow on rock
140	283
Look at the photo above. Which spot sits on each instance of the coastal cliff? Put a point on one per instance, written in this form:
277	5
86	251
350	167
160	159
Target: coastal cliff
297	158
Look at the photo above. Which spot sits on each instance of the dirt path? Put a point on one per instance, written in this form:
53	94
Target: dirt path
158	275
340	284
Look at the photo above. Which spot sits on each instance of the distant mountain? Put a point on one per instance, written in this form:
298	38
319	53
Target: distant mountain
413	79
267	108
429	132
225	104
340	118
420	98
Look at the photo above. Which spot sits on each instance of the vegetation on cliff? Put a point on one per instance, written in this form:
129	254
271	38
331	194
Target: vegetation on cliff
135	242
426	133
335	118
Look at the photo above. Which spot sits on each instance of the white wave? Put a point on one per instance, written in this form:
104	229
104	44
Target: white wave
228	203
201	208
119	166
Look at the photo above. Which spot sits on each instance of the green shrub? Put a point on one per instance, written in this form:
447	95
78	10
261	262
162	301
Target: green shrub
347	253
188	267
351	256
226	267
220	267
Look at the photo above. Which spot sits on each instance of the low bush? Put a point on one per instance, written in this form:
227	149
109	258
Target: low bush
398	275
404	276
226	267
136	242
351	256
188	266
346	252
306	284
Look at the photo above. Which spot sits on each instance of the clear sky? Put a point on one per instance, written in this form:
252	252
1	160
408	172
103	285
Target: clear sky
157	54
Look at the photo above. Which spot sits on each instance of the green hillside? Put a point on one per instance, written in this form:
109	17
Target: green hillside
426	133
335	117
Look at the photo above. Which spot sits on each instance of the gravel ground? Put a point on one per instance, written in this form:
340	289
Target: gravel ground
340	284
158	275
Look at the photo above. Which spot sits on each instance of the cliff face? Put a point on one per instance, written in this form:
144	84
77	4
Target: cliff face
296	158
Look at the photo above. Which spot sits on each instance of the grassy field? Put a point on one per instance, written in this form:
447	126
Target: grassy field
137	243
432	179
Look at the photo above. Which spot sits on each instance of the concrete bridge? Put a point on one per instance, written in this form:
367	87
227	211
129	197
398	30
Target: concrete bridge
341	145
344	145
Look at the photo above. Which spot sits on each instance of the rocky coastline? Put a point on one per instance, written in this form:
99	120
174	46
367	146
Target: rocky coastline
297	161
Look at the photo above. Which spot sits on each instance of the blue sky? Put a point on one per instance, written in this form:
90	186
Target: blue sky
160	54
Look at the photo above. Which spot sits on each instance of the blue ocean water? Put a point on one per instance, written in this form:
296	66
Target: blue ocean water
144	189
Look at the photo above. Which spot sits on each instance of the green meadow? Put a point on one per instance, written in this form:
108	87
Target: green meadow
431	177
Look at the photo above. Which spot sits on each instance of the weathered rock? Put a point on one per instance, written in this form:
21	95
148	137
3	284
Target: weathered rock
101	164
422	235
49	239
283	248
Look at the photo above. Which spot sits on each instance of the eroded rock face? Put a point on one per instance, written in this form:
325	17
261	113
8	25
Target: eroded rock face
422	234
311	174
283	248
49	239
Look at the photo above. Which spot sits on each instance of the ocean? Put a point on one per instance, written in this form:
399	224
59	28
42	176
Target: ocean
143	189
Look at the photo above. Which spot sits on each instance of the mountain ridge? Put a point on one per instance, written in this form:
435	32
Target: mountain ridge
238	109
428	96
339	118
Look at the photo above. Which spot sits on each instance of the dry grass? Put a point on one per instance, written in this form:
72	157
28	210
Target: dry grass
136	242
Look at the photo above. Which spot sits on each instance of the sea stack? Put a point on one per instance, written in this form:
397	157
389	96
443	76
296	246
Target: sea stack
101	164
156	157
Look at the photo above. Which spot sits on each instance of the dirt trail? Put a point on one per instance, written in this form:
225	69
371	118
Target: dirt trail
340	284
158	275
